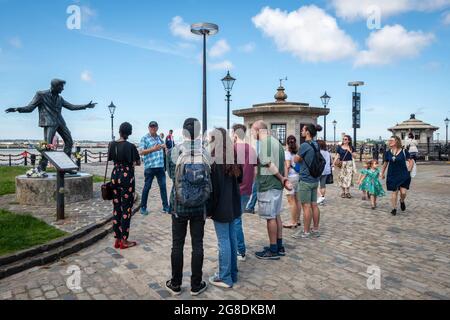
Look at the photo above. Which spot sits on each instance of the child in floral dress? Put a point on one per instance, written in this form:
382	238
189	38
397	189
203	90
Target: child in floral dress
371	183
362	176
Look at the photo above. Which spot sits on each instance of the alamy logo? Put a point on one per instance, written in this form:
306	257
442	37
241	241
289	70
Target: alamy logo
373	18
74	20
74	280
374	280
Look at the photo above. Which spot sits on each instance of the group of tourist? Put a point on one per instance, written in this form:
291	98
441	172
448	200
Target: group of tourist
226	176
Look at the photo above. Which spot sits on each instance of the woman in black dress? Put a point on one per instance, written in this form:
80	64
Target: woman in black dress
125	157
399	164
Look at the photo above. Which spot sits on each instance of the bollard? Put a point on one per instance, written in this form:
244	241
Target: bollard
33	160
10	163
85	156
100	157
78	158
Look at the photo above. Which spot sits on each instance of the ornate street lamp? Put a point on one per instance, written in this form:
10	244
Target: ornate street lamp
112	109
325	100
228	83
334	125
204	29
446	130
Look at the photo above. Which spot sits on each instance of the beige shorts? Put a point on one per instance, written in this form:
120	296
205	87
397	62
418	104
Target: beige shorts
294	181
270	204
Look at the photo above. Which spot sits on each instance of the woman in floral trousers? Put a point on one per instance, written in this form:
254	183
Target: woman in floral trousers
125	157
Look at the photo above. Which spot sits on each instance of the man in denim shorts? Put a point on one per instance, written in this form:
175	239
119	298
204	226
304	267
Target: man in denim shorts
271	182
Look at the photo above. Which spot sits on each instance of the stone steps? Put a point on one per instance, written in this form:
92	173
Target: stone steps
57	249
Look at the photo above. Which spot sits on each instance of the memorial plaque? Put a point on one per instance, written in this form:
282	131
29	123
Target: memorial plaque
61	161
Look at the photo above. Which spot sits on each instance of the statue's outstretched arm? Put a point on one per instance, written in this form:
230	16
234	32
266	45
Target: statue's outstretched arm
30	107
74	107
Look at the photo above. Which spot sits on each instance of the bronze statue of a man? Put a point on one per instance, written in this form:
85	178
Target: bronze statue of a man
50	104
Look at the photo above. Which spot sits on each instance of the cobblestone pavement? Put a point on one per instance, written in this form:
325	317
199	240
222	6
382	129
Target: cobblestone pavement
412	251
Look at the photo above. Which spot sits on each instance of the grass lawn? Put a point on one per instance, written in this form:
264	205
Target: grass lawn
98	179
20	232
8	178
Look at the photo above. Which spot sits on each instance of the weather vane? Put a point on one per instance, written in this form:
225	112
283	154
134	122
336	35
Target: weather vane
281	81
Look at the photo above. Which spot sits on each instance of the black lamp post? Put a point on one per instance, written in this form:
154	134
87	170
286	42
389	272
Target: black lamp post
228	83
112	109
204	29
356	109
325	100
446	130
334	125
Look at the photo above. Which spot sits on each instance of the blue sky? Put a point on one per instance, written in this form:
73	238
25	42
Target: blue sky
140	55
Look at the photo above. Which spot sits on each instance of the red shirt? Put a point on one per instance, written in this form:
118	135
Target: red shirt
246	156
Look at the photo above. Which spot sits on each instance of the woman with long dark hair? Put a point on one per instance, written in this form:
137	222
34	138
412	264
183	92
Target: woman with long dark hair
345	161
125	157
398	164
225	205
291	171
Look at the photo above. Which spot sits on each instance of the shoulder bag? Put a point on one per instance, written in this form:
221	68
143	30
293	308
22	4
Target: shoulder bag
339	161
330	177
107	190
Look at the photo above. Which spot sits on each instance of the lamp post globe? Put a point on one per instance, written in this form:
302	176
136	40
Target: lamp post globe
447	121
334	125
325	100
228	83
112	110
204	29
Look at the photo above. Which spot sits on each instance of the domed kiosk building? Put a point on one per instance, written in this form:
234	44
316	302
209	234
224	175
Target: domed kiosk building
283	118
423	132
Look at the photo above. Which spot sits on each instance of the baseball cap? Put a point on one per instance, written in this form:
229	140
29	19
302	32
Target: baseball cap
153	124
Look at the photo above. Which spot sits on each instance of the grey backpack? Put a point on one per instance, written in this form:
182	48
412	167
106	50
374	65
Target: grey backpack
192	182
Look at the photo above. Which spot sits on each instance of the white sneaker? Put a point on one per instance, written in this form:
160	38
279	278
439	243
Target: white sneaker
241	257
215	281
301	235
321	200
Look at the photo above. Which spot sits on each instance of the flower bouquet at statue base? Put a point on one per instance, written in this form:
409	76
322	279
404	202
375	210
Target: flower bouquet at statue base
36	173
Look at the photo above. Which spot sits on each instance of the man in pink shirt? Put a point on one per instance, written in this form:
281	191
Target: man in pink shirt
246	156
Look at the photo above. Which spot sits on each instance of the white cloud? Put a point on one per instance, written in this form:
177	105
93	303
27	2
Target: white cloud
361	9
309	33
181	29
392	43
224	65
248	47
446	19
16	42
220	48
86	76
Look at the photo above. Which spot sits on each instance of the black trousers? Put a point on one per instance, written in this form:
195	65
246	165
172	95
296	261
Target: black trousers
179	229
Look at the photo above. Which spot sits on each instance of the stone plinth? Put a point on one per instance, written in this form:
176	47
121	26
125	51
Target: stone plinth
42	191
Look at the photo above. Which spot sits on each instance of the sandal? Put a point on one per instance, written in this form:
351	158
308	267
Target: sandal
290	226
343	196
348	196
130	244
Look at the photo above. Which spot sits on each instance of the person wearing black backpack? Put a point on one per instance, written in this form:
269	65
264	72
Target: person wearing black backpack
311	169
190	171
